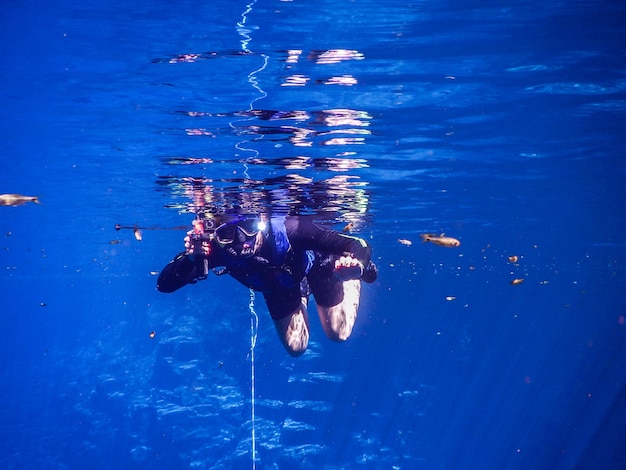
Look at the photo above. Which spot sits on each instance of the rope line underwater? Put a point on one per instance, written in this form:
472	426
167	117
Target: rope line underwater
254	324
244	31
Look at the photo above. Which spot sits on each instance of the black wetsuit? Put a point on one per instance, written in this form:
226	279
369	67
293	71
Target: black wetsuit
282	275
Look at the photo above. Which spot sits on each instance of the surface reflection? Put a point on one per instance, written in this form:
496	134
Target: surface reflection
291	56
300	160
323	127
341	197
320	57
340	163
190	57
334	56
327	117
345	80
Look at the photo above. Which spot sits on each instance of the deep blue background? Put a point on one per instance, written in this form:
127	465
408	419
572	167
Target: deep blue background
501	125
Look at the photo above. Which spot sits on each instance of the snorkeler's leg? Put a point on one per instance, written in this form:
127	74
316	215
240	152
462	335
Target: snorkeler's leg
291	319
293	331
338	320
337	301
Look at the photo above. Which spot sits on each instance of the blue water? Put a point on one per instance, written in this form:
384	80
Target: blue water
500	124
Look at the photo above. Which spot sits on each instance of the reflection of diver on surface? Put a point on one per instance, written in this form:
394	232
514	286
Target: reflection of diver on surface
343	196
332	127
285	258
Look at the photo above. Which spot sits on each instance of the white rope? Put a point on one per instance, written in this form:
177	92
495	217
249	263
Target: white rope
244	32
254	324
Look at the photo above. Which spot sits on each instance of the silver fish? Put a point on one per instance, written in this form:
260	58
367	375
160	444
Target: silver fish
440	240
17	199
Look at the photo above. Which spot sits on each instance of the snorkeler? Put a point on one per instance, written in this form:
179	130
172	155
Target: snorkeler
286	258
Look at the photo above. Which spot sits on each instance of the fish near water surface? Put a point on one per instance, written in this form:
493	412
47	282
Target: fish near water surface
17	199
440	240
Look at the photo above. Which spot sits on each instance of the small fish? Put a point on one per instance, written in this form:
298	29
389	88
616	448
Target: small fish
513	259
114	242
517	281
440	240
17	200
137	232
403	241
348	228
152	334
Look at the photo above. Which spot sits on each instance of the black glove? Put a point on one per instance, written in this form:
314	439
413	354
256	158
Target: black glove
370	273
182	270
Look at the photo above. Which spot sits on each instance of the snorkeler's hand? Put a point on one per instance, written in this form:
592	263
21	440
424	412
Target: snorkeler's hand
197	244
347	268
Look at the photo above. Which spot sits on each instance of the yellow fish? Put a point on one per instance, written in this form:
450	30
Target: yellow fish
440	240
17	199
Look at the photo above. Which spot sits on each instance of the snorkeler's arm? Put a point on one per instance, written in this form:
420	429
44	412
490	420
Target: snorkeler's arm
185	269
304	234
178	273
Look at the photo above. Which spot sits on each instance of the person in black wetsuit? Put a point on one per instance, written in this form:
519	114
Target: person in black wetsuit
285	258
